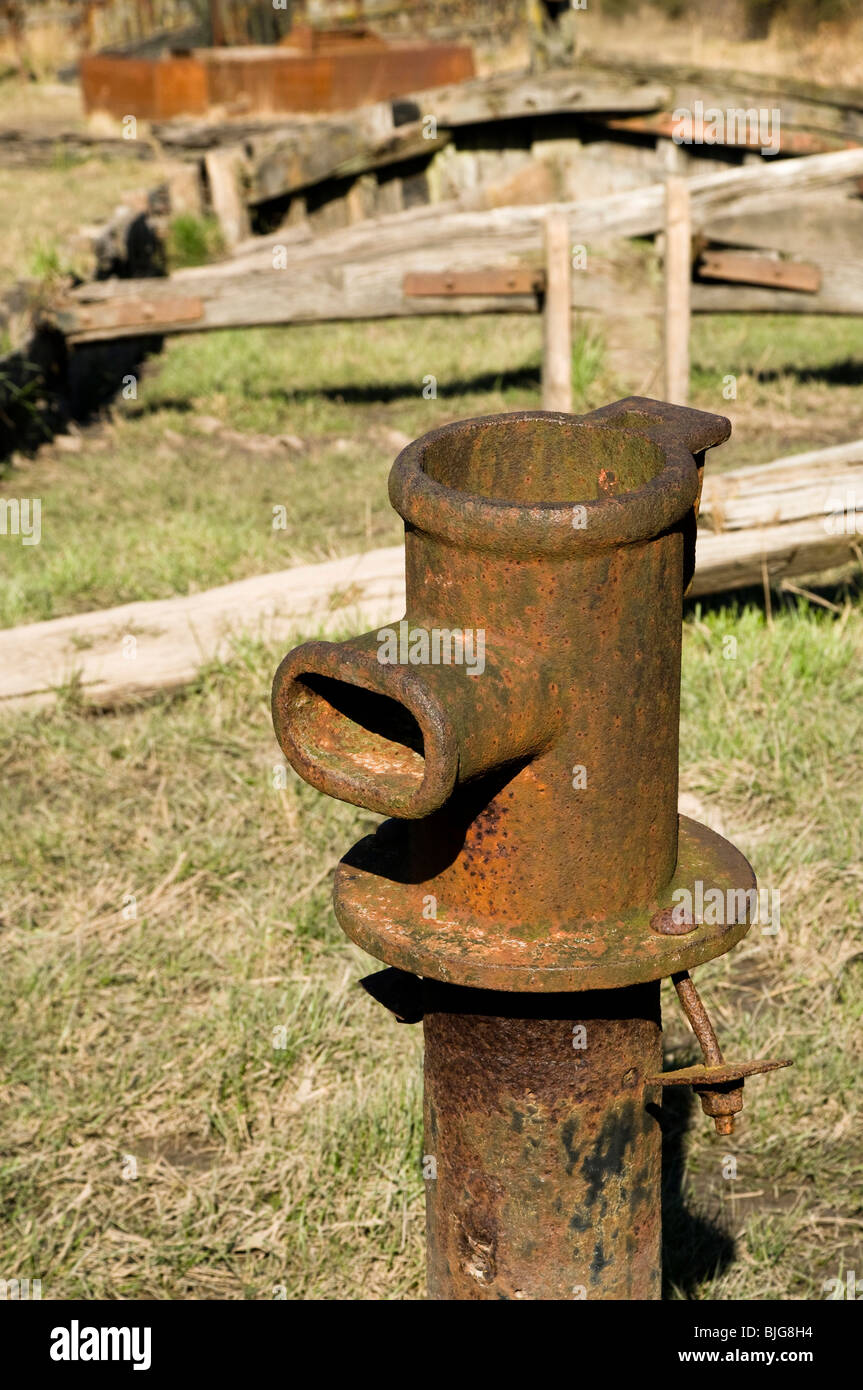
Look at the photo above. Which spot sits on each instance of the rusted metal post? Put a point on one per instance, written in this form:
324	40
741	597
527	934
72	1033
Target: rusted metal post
541	1144
520	728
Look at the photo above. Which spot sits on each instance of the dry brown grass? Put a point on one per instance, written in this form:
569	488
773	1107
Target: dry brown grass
199	1100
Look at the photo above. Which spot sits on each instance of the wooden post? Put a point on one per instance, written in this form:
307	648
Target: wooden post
557	319
185	189
217	24
224	170
678	273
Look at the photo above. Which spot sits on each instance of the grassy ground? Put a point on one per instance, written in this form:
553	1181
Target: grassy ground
227	426
206	459
200	1101
63	194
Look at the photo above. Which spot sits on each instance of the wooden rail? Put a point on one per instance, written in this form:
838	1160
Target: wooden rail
359	272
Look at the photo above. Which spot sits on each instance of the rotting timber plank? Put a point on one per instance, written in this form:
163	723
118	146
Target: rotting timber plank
508	96
370	290
334	151
805	106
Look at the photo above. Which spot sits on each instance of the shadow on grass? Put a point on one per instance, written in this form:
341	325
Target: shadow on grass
846	373
694	1248
523	379
835	592
44	386
178	405
373	393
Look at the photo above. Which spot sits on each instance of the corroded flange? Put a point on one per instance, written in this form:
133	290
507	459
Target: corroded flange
389	917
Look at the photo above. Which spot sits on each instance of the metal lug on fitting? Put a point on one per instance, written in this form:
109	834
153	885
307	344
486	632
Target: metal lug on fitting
398	991
717	1083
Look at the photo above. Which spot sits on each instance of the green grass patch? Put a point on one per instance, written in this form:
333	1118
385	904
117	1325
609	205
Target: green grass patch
176	491
193	240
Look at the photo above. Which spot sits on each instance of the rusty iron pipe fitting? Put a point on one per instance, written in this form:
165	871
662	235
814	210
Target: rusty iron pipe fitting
567	544
534	846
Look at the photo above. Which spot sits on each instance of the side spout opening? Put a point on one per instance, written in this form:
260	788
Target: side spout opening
373	735
359	730
397	739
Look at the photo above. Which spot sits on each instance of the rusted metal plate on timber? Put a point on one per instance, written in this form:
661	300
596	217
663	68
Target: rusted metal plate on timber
94	318
744	269
499	280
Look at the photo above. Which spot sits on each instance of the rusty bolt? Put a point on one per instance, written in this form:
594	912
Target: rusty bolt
671	921
717	1083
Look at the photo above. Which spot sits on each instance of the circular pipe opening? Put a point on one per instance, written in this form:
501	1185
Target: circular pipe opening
536	483
373	735
545	459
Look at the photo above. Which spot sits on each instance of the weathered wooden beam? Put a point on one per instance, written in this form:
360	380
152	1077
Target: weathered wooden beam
34	147
728	78
739	559
830	225
176	636
511	95
335	150
370	290
225	175
788	489
557	316
797	515
804	105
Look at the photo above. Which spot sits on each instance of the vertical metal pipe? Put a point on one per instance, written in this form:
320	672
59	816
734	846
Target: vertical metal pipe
546	1146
